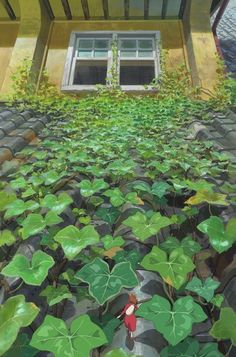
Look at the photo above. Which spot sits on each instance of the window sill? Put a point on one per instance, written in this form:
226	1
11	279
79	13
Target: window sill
92	88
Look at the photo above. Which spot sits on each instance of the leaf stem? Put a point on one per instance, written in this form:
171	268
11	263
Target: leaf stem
17	288
167	293
229	350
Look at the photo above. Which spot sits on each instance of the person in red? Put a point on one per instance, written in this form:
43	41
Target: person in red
130	320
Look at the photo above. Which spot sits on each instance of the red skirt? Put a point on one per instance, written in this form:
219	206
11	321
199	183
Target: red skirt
130	322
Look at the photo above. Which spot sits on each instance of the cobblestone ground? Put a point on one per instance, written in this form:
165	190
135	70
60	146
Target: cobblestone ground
226	32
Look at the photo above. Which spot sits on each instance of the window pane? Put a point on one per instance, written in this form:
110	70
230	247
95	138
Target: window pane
90	73
128	53
135	73
128	44
145	54
101	44
85	44
145	44
100	53
85	54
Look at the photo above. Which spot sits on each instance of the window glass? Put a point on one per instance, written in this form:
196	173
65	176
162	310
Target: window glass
145	44
85	44
128	44
85	54
145	54
136	73
128	53
101	44
90	73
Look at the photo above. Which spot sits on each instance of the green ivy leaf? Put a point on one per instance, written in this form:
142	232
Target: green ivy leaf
88	188
132	256
144	227
108	324
210	197
190	247
106	284
159	188
56	294
19	206
108	215
174	323
21	348
225	327
32	273
204	289
55	203
74	240
5	199
217	300
14	314
19	183
110	242
52	218
51	177
191	347
33	224
7	238
117	198
221	238
53	335
173	270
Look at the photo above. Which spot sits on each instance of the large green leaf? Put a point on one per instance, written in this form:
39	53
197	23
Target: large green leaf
103	284
110	242
32	225
6	238
14	314
55	203
118	198
210	197
74	240
204	289
144	227
21	348
220	237
159	188
190	247
173	270
5	199
191	348
108	324
88	188
56	294
19	206
83	336
32	273
225	327
108	215
174	323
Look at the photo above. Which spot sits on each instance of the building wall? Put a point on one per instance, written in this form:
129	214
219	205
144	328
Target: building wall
171	35
8	36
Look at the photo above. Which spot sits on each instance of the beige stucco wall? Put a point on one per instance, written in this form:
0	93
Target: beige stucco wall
171	35
8	35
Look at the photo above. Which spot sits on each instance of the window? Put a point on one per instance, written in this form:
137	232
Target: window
131	59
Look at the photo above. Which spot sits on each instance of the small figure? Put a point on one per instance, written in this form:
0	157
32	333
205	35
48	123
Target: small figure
130	318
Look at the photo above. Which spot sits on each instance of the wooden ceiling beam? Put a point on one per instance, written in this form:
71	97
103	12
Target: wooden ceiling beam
182	8
126	5
164	9
85	9
146	9
9	9
49	9
105	9
66	8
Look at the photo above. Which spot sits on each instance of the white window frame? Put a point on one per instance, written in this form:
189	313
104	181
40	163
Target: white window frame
69	70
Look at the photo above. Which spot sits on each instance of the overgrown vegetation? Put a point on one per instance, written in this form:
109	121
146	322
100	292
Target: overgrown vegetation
115	187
